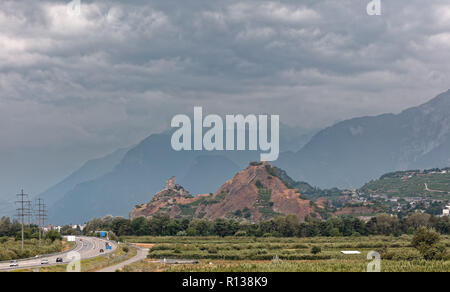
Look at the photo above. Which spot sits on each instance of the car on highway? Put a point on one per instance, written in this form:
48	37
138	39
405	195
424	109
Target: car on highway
59	260
13	263
102	251
44	262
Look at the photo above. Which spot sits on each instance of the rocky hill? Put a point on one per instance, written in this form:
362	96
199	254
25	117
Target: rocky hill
256	193
171	199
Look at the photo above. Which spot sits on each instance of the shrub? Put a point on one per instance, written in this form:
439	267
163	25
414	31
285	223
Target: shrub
316	250
213	250
383	251
258	184
53	235
426	241
425	238
437	252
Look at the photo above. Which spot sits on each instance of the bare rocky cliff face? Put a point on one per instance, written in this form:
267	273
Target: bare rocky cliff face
255	194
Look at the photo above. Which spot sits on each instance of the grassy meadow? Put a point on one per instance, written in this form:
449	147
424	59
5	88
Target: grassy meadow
11	249
248	254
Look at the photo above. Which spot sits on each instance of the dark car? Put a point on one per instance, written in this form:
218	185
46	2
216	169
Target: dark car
101	251
59	260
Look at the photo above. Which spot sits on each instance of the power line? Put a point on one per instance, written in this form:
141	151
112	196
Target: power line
41	215
23	211
29	207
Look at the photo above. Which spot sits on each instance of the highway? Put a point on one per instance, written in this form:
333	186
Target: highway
87	247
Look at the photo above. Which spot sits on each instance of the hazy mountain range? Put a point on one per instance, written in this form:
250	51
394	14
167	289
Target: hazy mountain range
115	183
91	170
355	151
347	154
6	208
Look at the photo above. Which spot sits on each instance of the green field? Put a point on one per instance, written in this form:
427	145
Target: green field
245	254
11	249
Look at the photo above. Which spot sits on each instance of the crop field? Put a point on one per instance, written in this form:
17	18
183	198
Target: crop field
245	254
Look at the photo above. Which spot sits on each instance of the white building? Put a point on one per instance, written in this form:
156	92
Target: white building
446	211
57	228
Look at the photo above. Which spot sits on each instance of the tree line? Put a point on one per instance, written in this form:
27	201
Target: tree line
282	226
9	228
13	229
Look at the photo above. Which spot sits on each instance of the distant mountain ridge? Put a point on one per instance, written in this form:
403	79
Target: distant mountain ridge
137	176
6	208
346	155
91	170
354	151
138	173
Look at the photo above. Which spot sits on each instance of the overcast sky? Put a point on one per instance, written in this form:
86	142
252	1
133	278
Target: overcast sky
74	87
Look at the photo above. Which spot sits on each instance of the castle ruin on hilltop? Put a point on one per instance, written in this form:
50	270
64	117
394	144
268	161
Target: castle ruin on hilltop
170	183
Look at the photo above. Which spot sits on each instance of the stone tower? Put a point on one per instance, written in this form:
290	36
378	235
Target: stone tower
170	183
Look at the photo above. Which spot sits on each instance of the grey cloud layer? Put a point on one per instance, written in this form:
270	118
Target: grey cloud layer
123	68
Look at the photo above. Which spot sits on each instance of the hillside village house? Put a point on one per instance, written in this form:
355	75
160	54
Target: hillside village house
446	211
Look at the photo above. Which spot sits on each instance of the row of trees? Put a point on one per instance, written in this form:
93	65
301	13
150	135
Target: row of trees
13	229
9	228
286	226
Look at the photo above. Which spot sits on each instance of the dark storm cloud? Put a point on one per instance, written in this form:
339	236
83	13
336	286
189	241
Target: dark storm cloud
121	69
